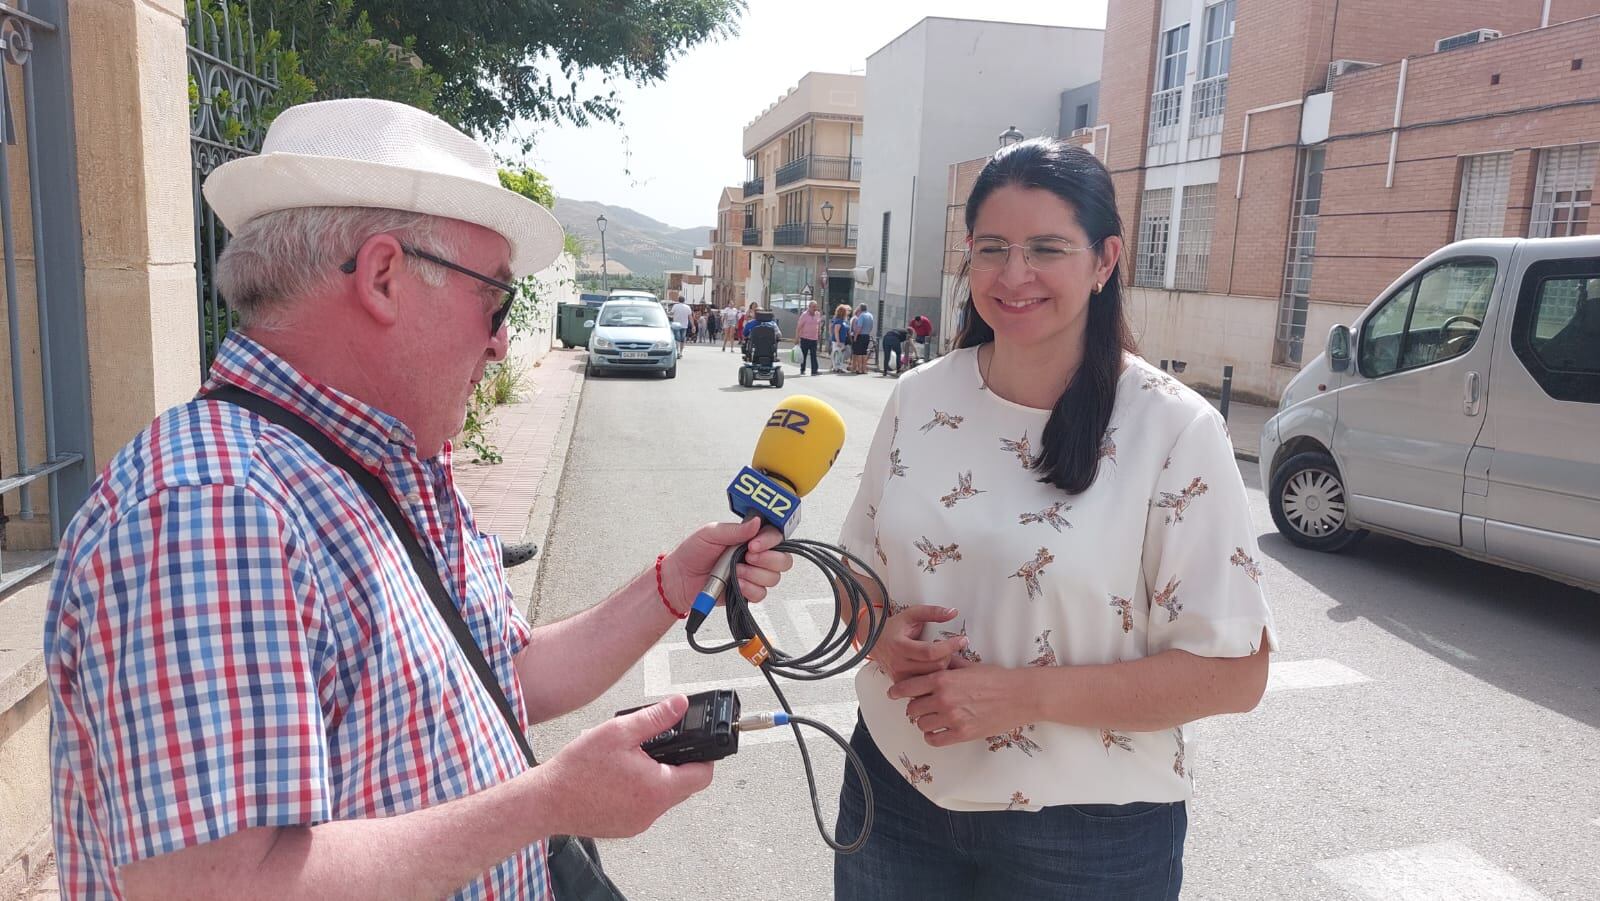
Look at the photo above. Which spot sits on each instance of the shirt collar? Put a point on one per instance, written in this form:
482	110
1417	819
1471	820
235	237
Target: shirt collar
367	433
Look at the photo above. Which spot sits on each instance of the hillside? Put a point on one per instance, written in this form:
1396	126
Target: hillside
640	243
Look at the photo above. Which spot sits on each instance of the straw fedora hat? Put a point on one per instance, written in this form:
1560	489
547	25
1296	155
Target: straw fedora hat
376	153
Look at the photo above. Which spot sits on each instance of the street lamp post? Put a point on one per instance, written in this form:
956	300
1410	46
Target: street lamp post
604	265
827	235
1011	136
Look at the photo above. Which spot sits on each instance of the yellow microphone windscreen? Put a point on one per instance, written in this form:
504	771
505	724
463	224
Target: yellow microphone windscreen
801	440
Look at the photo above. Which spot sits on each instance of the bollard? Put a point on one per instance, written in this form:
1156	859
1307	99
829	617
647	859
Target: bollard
1227	390
1163	365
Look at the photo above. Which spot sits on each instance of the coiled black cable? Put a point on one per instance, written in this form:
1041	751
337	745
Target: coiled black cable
831	657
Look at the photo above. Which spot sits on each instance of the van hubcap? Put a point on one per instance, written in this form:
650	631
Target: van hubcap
1313	502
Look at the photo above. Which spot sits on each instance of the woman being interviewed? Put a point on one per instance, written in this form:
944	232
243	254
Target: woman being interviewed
1072	530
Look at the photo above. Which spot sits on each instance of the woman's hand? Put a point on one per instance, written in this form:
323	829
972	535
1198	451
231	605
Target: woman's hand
901	650
685	570
965	702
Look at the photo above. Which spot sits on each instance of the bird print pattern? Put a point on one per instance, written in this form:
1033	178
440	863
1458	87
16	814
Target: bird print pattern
1050	516
916	773
1177	759
966	653
935	555
1108	447
962	491
942	419
1125	609
1247	563
1030	572
1178	502
1168	599
1047	654
1021	449
1161	383
1109	738
896	468
1018	799
1015	739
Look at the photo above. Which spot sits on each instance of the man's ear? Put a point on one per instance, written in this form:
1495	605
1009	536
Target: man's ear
379	265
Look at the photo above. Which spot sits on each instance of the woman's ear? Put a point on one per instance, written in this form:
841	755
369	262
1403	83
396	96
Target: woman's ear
1110	254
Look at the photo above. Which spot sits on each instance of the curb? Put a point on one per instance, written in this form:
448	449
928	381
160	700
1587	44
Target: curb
1247	456
525	579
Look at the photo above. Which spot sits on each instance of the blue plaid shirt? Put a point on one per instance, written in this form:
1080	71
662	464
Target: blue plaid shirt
236	638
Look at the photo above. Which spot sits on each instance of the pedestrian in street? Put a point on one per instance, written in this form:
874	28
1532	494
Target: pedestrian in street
921	329
860	340
730	327
682	317
808	331
255	685
841	337
890	343
1068	527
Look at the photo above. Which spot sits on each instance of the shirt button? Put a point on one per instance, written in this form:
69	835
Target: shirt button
370	461
397	435
413	497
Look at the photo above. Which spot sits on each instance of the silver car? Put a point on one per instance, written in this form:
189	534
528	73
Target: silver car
632	336
1460	410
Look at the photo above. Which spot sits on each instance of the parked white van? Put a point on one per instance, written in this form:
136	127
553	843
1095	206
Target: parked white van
1461	409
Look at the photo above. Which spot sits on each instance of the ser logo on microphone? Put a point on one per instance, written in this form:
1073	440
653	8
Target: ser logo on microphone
793	420
760	492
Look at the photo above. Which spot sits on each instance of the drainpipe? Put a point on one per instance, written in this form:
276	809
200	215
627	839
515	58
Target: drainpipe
1394	131
1544	17
1244	143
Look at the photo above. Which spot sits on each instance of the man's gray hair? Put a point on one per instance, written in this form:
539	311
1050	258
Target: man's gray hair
283	256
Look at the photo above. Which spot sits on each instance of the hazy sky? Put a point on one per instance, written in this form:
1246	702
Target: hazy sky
684	135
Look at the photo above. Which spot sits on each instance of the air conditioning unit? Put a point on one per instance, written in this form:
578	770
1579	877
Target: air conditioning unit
863	275
1080	132
1344	67
1477	36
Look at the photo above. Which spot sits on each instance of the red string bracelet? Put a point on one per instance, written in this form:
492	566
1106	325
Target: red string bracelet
662	590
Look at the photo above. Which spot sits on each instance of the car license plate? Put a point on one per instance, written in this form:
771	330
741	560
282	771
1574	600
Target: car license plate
633	354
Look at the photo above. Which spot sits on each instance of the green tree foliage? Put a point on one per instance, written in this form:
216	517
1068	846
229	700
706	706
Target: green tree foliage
501	61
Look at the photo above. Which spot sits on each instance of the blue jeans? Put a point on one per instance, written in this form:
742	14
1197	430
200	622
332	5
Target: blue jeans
920	851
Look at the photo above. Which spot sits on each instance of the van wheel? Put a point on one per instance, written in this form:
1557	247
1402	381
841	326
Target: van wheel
1309	503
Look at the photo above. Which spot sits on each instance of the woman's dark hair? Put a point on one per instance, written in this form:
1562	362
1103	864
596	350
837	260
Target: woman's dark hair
1072	437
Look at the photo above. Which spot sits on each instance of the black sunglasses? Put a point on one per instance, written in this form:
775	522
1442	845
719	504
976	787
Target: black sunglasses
500	313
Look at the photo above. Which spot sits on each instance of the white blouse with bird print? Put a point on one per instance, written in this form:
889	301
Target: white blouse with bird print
1159	553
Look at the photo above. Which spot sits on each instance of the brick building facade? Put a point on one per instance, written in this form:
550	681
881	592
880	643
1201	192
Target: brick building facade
730	261
1362	146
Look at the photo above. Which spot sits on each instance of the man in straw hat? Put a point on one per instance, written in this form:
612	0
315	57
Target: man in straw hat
255	687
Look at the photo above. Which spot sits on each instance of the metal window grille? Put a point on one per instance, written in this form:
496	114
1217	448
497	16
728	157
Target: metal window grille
1485	183
1166	108
1206	105
1194	236
1295	303
1155	229
1563	194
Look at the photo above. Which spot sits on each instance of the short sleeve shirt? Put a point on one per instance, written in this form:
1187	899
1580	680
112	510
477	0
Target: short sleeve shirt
1158	553
863	324
681	314
237	639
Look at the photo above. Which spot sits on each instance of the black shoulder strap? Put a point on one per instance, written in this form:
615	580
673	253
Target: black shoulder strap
424	568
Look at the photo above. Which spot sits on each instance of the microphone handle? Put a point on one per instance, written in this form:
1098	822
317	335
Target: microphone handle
716	583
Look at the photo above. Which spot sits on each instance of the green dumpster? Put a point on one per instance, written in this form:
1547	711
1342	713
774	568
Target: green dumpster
574	322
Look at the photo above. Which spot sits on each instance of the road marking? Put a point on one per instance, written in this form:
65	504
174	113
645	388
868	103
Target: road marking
1446	871
1427	639
1320	673
841	716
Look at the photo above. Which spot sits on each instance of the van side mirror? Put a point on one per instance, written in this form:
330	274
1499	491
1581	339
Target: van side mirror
1339	348
588	323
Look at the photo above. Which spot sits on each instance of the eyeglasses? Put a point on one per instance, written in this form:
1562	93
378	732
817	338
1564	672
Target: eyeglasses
501	311
1041	254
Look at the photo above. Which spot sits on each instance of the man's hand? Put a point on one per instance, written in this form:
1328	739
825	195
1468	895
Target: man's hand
685	570
901	650
610	786
965	702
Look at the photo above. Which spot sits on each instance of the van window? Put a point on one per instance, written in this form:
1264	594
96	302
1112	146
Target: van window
1556	332
1433	318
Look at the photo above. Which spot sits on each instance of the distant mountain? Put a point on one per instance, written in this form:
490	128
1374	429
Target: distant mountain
641	244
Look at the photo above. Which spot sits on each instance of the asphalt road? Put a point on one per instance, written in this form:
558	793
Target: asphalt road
1432	729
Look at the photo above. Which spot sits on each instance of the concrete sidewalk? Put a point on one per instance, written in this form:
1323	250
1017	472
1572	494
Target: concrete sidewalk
1244	426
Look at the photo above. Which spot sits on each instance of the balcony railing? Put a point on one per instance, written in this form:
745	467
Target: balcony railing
1166	111
829	168
1206	106
755	187
803	234
751	237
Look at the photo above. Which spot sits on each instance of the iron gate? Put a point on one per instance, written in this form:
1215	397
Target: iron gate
230	82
